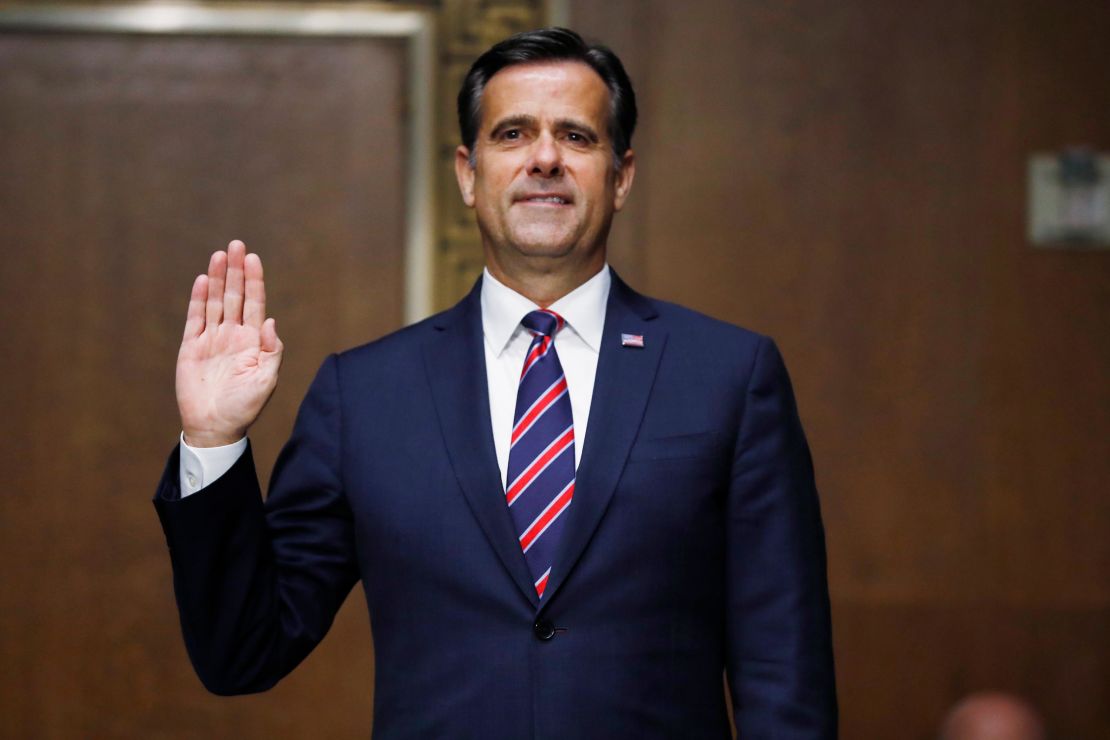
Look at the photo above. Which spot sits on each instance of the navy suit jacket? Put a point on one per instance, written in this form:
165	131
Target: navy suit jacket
693	546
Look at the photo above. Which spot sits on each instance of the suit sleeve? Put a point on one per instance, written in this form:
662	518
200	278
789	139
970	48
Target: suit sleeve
258	584
779	657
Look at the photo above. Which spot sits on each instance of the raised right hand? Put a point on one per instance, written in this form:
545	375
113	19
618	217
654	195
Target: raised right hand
228	364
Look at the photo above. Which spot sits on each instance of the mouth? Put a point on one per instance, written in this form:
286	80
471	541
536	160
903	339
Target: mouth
545	200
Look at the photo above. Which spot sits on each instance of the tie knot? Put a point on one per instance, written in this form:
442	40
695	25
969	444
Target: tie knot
543	322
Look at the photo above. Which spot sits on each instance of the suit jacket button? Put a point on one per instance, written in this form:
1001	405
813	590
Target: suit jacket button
543	629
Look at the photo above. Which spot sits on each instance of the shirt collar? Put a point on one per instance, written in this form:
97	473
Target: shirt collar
583	308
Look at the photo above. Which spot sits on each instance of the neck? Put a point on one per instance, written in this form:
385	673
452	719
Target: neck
545	287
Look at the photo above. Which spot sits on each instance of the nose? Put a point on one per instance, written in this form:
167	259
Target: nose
547	159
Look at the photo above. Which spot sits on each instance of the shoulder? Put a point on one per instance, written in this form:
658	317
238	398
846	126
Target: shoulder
395	360
401	343
405	345
685	327
700	334
721	356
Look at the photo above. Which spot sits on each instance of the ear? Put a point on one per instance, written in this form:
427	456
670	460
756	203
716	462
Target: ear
625	176
464	173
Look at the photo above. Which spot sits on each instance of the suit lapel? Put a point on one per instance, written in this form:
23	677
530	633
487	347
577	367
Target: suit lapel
621	389
456	368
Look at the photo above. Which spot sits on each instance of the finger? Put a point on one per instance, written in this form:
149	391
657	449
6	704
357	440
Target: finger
194	318
214	308
268	337
254	309
233	284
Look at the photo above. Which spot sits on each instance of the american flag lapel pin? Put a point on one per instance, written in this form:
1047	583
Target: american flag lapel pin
632	340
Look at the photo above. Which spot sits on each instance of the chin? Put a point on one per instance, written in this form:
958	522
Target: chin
542	243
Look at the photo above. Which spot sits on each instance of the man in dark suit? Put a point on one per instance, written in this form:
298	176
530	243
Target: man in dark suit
571	507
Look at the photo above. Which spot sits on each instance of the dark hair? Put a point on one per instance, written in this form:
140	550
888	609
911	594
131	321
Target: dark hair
550	44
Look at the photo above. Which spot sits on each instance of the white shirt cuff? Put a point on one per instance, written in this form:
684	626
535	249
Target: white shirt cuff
200	466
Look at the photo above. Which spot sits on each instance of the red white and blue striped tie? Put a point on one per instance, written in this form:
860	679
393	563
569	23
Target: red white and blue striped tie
541	455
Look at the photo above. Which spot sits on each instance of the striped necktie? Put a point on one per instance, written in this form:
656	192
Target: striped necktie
541	452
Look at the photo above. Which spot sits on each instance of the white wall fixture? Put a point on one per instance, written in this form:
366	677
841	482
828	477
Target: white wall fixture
1069	200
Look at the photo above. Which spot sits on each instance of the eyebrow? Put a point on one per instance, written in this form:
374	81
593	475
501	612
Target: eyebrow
513	122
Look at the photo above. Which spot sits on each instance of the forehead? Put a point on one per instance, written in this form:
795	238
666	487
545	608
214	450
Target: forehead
546	91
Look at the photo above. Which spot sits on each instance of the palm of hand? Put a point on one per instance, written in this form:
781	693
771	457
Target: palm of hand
224	377
230	353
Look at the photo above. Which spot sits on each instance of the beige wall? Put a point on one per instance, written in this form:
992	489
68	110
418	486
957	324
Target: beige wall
849	178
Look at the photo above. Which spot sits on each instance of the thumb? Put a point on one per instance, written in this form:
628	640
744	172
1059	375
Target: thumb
269	338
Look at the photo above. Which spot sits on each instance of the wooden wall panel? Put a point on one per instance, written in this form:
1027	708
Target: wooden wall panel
849	178
126	161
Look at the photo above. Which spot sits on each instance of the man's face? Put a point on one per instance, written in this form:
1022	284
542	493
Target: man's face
543	183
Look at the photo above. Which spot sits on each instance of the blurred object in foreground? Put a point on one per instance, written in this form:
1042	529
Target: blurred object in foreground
992	715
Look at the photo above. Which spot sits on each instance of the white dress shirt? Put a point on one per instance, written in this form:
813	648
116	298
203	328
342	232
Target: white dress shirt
506	343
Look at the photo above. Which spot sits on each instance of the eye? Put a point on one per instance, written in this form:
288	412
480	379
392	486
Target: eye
511	134
579	139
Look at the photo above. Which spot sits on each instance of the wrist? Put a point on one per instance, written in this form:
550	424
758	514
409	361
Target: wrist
210	439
